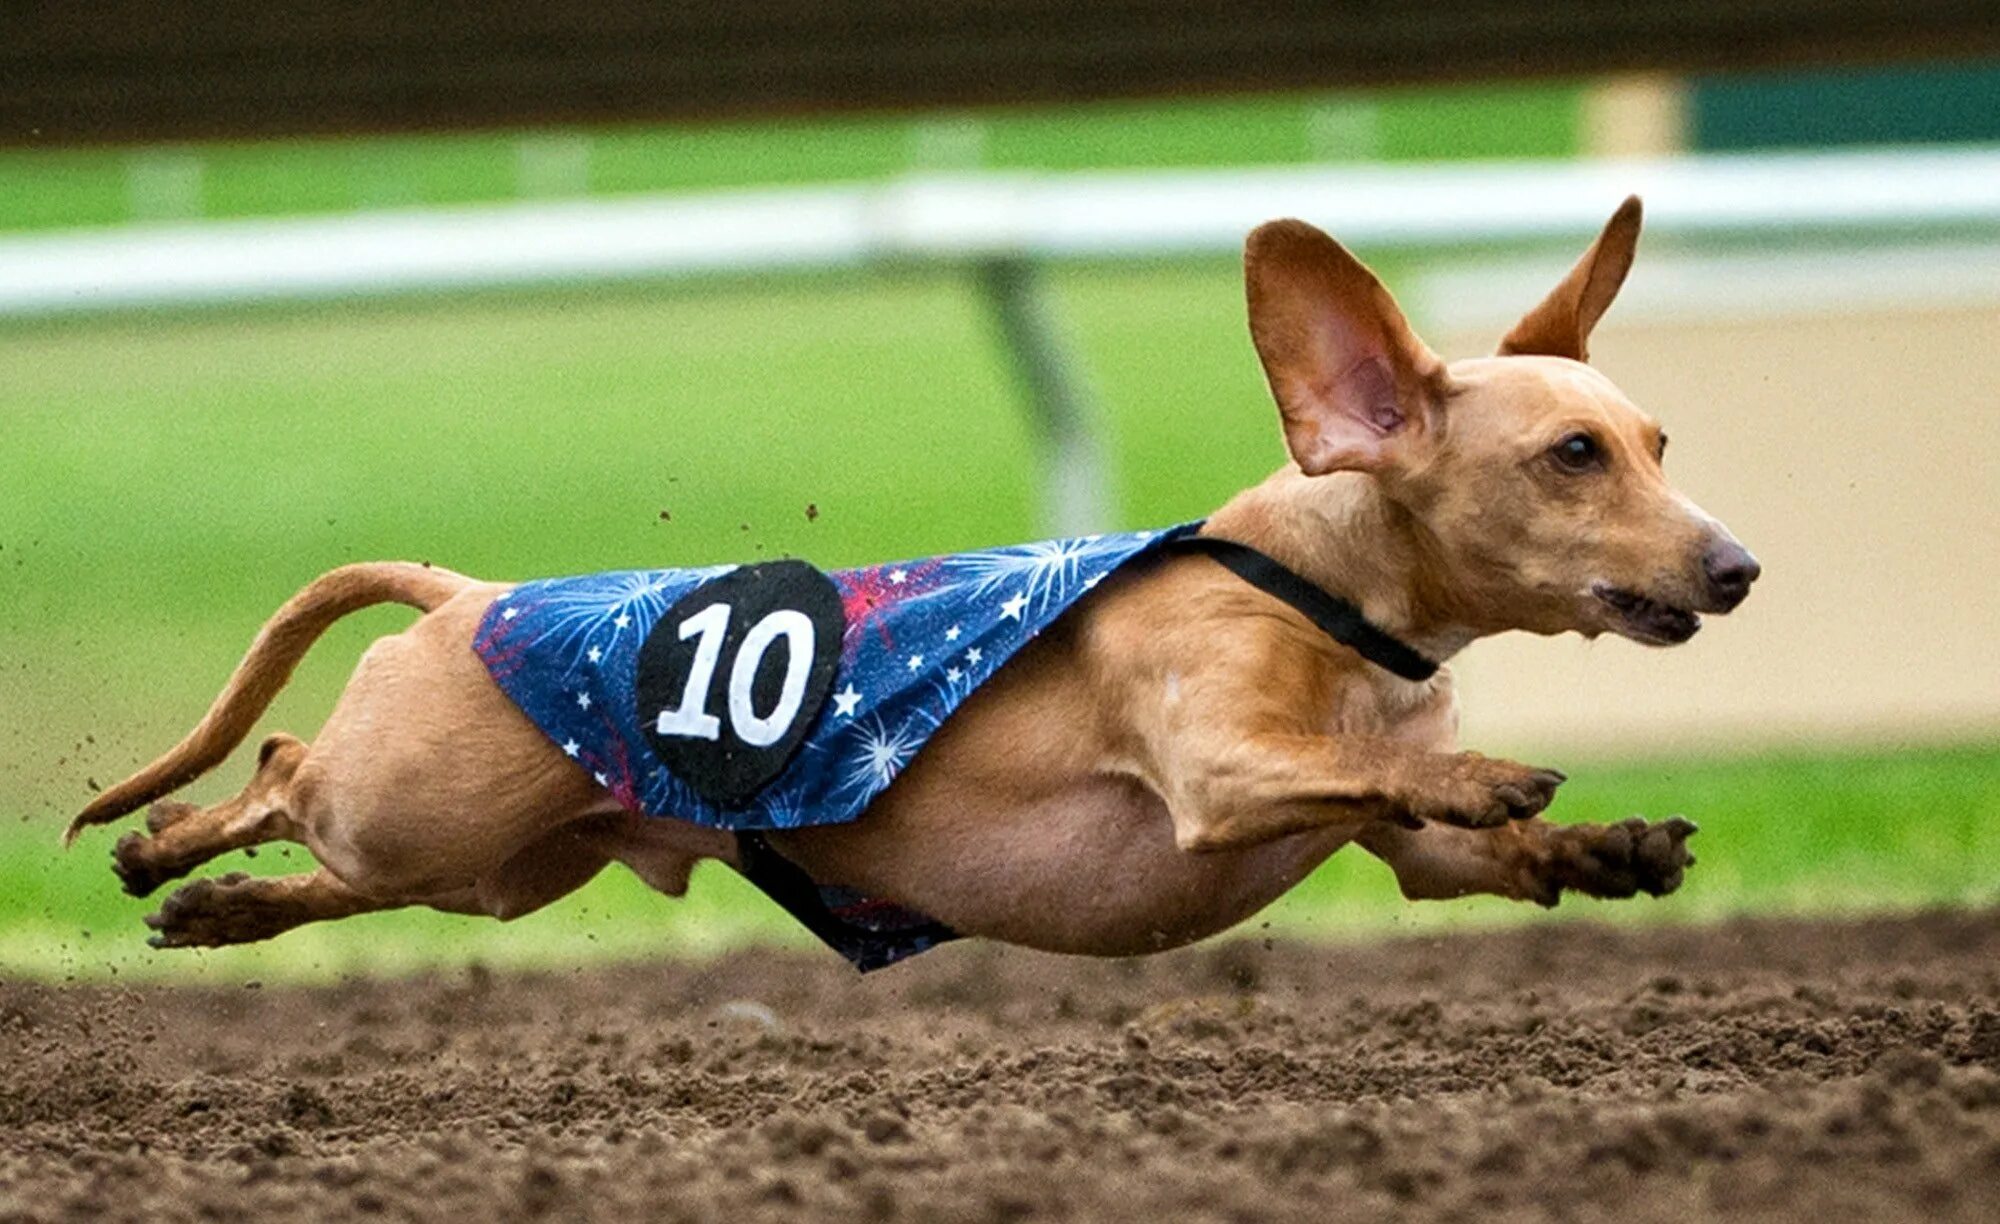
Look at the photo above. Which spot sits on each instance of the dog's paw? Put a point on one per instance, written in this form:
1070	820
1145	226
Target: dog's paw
136	867
204	914
1480	792
1616	860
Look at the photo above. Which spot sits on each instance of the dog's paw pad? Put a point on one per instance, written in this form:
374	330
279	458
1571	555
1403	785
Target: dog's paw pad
202	914
133	866
1661	858
1624	859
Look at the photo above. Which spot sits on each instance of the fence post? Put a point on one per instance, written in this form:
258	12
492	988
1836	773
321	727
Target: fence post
1075	492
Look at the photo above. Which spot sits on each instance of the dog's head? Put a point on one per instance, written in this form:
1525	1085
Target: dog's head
1537	485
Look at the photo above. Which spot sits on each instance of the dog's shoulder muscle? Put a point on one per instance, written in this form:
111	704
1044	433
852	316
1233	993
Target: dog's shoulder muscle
1188	644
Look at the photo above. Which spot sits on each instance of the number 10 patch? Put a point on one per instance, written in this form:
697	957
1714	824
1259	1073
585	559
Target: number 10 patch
732	677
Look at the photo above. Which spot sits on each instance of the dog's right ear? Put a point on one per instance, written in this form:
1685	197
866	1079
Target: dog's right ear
1353	383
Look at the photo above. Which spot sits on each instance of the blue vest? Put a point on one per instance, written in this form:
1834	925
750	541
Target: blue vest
772	696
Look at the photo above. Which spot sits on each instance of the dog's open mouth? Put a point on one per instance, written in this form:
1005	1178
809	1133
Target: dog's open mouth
1647	620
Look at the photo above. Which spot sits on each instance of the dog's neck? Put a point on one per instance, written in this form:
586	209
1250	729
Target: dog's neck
1342	533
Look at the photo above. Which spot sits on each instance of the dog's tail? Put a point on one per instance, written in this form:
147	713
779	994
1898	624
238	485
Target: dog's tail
280	644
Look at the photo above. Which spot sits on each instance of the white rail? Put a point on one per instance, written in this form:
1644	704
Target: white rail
1900	193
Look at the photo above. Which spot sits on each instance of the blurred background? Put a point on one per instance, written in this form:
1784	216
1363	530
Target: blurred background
556	289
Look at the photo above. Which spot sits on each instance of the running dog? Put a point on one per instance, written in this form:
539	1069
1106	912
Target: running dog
1105	746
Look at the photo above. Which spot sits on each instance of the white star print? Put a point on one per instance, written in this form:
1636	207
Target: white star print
601	779
510	614
845	701
951	634
622	620
899	576
954	675
1044	570
916	661
570	748
1012	608
595	654
583	701
973	656
878	755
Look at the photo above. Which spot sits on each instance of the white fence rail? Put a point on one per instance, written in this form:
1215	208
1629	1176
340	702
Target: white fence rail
1929	221
1883	194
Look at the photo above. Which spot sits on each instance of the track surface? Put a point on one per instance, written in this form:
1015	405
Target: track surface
1765	1070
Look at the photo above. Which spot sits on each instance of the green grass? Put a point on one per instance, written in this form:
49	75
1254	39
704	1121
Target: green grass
67	187
168	481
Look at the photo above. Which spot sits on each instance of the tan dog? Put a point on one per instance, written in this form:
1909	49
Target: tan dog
1175	753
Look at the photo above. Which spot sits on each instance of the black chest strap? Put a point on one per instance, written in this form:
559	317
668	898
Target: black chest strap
1339	619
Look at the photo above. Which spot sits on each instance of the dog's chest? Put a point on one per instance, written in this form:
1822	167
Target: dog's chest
1374	705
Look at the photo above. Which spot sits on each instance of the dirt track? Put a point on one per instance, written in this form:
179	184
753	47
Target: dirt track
1766	1071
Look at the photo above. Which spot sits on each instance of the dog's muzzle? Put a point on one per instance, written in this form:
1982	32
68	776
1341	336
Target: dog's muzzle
1645	619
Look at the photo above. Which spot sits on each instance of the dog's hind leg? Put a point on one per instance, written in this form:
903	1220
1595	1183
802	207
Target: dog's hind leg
662	851
546	870
1535	860
240	909
237	908
184	836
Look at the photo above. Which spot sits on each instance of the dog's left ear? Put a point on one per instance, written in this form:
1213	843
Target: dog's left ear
1353	383
1560	326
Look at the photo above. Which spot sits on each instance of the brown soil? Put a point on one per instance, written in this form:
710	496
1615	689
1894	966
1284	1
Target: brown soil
1764	1070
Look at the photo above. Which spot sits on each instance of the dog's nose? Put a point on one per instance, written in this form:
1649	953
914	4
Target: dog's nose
1730	570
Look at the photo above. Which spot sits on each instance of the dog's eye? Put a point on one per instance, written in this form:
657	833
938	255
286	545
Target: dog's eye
1578	452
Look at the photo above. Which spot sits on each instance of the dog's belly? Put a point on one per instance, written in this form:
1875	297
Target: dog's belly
1093	870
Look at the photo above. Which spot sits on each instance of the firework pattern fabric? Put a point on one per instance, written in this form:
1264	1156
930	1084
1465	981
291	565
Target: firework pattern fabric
919	637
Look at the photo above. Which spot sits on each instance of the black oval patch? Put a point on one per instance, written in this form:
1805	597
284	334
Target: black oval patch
726	719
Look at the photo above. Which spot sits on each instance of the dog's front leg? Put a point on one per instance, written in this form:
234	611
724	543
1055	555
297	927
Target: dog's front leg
1533	860
1243	791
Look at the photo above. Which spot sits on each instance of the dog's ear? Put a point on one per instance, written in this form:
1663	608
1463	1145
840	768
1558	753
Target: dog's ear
1353	383
1560	326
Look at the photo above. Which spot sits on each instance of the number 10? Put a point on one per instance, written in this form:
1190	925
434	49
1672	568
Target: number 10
692	719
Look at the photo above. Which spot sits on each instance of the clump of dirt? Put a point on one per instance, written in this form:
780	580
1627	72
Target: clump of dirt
1757	1070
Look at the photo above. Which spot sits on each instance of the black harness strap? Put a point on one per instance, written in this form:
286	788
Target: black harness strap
796	892
1341	620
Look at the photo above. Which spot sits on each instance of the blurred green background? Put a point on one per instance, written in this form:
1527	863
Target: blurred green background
171	478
